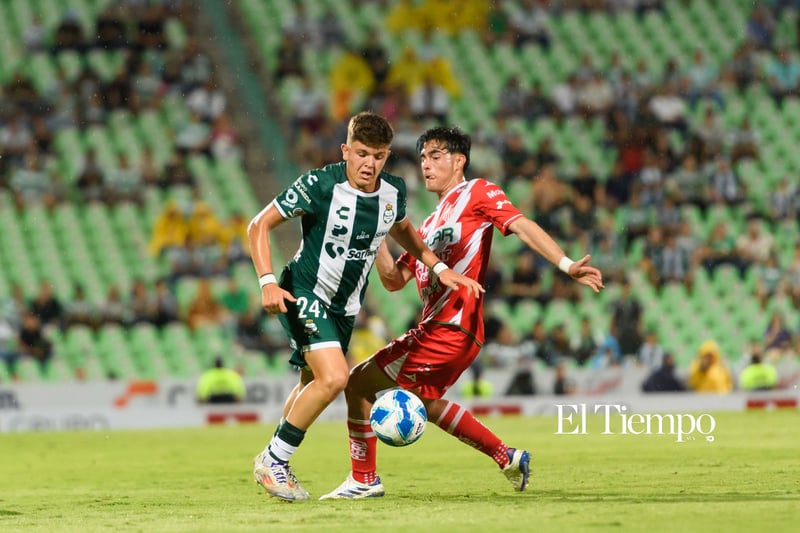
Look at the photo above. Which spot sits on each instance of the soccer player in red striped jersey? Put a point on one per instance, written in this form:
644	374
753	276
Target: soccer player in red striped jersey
429	358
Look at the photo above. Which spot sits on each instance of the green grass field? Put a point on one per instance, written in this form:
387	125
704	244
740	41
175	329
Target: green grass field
748	479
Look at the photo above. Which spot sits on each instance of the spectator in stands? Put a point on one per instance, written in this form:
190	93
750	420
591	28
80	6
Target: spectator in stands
687	185
760	28
707	372
193	136
177	172
485	161
512	98
784	202
719	249
204	228
234	300
33	184
150	26
536	342
16	138
165	305
663	379
205	308
350	78
429	100
233	236
549	196
220	385
626	320
169	231
117	94
123	182
196	67
402	16
755	245
585	184
518	161
78	311
69	33
708	135
141	308
758	375
536	104
33	37
770	281
526	281
595	97
207	100
744	142
777	338
224	139
530	22
147	87
584	344
369	335
651	354
32	341
672	264
742	69
618	186
110	29
307	106
703	80
564	96
46	306
563	385
793	276
114	309
152	171
609	257
783	76
726	186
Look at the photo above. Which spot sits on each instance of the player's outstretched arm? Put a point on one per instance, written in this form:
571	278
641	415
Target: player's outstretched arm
535	238
273	297
407	237
393	276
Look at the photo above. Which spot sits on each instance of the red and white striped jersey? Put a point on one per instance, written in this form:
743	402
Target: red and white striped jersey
460	233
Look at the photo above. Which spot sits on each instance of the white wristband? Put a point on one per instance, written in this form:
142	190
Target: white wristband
439	267
564	264
266	279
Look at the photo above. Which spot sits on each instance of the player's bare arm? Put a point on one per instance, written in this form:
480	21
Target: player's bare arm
535	238
407	237
273	297
393	276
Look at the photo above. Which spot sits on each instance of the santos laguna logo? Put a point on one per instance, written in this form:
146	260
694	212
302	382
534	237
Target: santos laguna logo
572	420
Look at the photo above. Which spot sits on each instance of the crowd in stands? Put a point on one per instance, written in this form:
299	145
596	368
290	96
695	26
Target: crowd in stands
152	75
666	164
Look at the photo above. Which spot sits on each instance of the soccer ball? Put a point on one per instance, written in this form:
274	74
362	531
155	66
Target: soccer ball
398	417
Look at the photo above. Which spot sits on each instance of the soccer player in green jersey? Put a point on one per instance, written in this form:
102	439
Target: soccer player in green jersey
346	211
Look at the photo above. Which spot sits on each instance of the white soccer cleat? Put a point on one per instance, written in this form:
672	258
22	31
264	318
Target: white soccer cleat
518	469
351	489
278	479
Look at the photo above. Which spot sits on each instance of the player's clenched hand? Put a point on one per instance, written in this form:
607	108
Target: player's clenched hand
455	281
585	274
273	298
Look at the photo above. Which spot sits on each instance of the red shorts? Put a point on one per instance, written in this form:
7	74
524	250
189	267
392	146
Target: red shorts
428	358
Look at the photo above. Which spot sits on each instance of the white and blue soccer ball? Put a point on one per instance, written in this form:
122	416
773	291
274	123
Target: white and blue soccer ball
398	417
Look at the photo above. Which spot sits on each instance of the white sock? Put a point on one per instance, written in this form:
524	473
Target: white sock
280	449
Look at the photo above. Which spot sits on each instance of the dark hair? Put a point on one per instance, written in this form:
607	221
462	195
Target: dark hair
454	140
371	129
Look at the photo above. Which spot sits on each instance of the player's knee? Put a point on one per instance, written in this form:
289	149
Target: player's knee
333	384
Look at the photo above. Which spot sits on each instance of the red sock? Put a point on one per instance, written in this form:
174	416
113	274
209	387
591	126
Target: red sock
461	424
363	443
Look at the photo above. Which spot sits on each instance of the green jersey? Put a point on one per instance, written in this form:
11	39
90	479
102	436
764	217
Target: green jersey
342	229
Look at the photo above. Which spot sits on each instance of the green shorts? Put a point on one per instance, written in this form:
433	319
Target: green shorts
311	326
